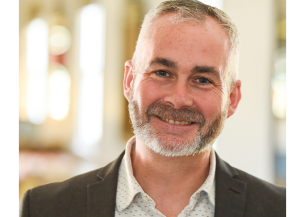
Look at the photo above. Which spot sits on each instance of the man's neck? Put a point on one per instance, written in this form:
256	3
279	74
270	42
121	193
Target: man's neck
170	181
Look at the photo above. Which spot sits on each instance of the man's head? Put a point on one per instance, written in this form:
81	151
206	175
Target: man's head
179	85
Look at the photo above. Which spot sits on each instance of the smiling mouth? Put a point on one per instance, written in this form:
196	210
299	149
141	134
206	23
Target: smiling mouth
176	122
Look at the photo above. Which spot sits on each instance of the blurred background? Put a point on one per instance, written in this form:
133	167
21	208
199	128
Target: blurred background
72	113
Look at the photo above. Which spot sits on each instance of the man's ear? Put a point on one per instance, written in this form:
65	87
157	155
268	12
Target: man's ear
235	96
128	78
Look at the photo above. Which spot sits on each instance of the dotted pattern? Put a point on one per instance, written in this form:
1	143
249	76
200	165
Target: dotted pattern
131	200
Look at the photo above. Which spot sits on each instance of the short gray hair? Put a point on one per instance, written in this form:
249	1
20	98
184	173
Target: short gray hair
193	10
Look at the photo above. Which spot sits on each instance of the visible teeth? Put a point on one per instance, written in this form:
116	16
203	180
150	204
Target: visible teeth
175	122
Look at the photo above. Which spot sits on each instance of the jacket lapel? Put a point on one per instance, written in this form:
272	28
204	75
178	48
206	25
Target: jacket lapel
230	192
101	195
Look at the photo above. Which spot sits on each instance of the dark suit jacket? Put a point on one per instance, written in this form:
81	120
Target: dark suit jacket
93	194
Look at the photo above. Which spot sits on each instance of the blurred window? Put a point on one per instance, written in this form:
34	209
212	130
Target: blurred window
91	63
37	66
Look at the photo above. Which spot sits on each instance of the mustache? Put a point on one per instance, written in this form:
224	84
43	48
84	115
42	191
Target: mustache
166	111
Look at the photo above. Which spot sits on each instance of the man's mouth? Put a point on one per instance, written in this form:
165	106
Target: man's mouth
175	122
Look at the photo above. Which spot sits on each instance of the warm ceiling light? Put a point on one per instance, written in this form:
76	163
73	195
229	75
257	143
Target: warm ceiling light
60	40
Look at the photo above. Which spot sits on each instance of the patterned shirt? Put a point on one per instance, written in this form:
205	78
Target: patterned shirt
131	200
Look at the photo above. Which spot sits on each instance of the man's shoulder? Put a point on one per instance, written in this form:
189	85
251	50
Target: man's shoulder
80	182
76	184
70	197
256	196
262	196
56	199
253	184
260	186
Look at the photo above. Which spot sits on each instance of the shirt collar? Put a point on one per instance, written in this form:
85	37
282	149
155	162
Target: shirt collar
209	185
128	187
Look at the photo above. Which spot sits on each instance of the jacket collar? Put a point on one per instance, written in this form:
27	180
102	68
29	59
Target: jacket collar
102	194
230	192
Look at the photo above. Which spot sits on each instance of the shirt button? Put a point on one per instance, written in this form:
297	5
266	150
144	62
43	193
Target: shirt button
144	198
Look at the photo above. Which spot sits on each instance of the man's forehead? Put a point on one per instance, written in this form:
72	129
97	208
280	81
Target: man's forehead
164	31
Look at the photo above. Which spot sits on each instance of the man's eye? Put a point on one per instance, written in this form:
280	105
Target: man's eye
203	81
162	73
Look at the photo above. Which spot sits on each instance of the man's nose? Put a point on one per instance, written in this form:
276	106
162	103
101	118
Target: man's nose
179	95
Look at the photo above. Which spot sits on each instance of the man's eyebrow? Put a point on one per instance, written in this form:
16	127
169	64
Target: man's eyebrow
197	69
164	62
206	69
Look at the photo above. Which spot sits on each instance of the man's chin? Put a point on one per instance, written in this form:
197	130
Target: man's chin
173	146
174	141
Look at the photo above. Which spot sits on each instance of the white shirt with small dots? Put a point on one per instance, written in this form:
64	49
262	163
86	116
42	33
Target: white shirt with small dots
131	200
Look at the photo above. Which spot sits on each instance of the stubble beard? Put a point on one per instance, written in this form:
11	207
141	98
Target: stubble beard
207	132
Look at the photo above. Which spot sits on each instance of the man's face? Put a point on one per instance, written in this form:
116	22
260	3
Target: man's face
179	99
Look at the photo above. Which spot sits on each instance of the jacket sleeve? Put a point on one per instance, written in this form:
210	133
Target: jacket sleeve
24	205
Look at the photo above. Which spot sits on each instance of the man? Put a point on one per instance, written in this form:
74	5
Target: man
181	86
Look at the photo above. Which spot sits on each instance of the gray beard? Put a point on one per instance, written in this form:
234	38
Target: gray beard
204	139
